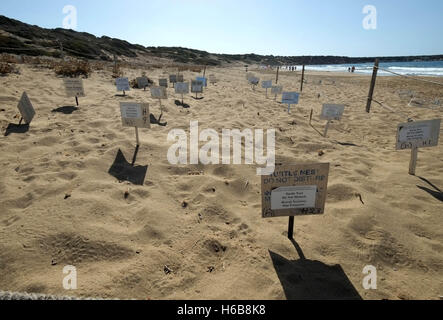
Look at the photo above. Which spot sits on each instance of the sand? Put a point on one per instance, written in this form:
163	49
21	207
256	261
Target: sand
150	246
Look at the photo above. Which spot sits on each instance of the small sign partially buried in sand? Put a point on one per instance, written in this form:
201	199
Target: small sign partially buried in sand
26	109
419	134
180	78
173	79
135	115
295	190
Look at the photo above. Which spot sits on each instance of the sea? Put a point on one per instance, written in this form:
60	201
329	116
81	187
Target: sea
413	68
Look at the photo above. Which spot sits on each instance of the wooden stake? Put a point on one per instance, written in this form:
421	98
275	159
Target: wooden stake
413	162
289	108
276	79
372	87
291	228
76	100
136	136
310	117
266	93
327	128
302	78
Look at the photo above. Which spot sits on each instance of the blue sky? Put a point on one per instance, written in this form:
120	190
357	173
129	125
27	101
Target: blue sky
278	27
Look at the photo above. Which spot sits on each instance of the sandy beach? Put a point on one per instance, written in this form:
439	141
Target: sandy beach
195	231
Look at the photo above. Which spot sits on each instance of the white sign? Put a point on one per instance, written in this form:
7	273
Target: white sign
74	87
26	109
135	114
163	83
158	93
295	190
290	97
266	84
285	198
332	112
122	84
420	134
142	82
182	87
173	78
196	86
276	90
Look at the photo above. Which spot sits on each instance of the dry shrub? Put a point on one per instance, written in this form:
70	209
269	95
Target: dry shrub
6	68
8	58
73	69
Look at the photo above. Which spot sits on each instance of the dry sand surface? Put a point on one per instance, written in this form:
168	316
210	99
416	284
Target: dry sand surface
218	246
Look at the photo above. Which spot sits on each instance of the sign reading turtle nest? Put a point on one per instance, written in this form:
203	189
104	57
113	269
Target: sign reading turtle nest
26	109
294	190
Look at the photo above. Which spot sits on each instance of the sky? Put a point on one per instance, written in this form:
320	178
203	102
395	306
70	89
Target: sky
277	27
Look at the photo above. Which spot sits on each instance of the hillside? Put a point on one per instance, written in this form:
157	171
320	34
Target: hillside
20	38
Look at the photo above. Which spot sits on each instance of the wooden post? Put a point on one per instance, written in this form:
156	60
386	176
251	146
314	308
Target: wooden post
136	136
289	108
266	93
372	87
327	128
291	228
76	100
302	78
124	93
204	72
21	120
310	117
276	79
182	98
413	162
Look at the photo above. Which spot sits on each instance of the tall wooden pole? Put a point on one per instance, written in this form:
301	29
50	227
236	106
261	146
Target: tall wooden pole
302	78
371	89
276	79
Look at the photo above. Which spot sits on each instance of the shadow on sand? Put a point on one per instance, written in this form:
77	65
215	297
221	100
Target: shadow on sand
16	128
122	170
436	193
65	109
312	280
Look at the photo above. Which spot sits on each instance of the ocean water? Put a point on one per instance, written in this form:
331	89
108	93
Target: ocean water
427	68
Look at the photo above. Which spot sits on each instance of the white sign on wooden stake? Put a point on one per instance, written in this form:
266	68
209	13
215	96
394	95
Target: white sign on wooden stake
135	114
159	93
332	112
74	87
420	134
182	87
122	84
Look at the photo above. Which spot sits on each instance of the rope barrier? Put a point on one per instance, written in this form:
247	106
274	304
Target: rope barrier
391	109
409	77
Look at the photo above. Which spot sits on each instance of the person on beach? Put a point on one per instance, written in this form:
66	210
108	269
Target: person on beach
353	69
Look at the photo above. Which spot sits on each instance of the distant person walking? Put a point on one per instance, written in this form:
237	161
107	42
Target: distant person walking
353	69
